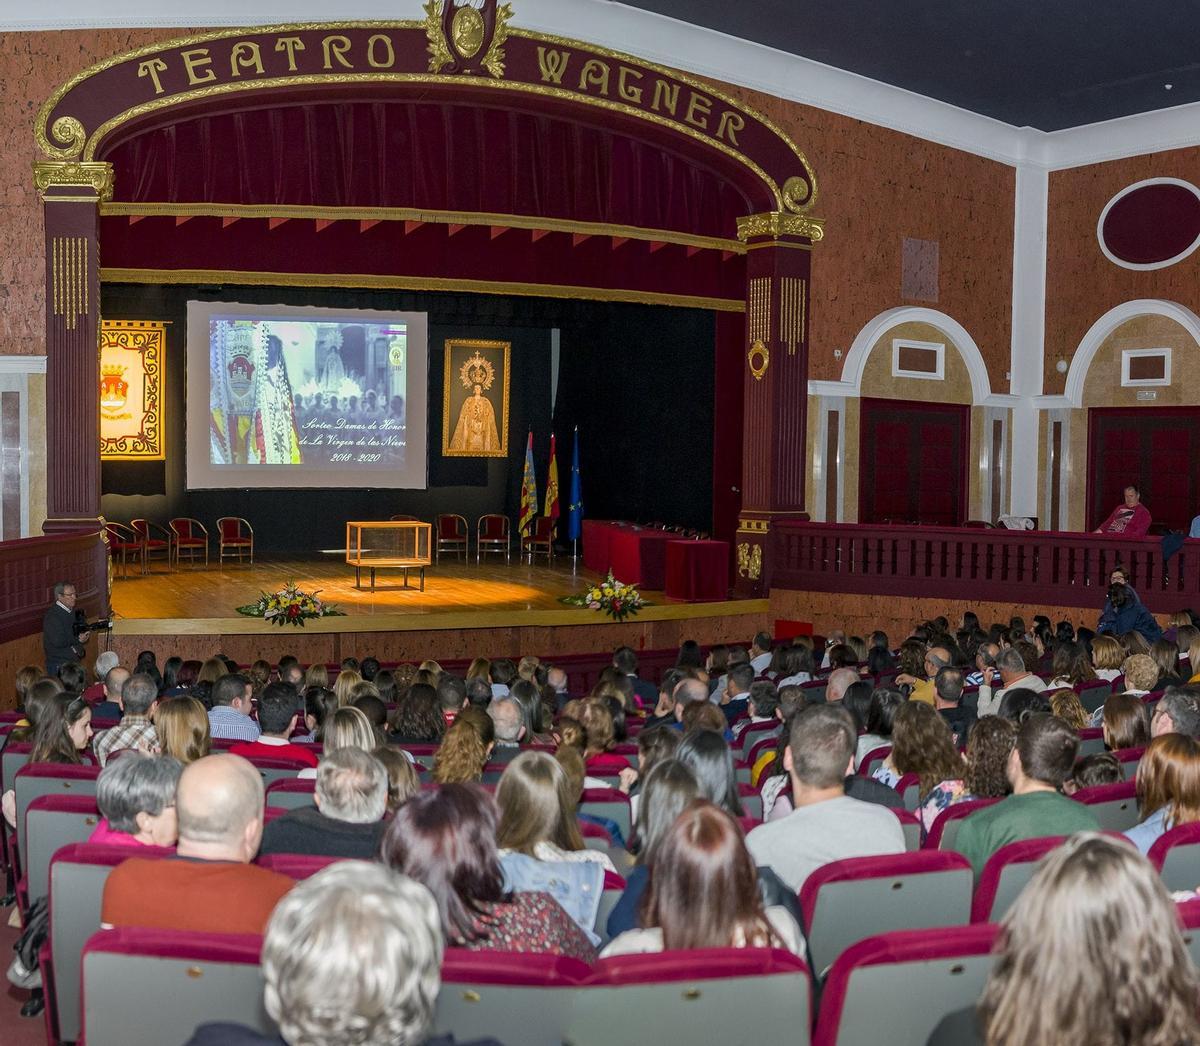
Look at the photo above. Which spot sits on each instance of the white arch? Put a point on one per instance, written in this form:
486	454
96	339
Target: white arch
1099	331
856	358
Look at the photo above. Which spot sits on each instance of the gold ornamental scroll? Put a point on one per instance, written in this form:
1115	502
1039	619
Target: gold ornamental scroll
132	386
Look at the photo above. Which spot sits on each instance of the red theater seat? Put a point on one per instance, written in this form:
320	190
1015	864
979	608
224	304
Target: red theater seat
1176	855
946	825
897	987
452	534
152	545
1114	805
847	901
296	866
1006	874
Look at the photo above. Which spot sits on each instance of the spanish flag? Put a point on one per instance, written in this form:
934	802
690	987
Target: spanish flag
529	498
552	509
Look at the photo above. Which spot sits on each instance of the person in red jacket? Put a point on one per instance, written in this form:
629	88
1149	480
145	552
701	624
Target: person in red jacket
1130	519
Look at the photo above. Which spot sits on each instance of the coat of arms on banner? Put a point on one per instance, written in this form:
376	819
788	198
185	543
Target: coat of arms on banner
467	37
132	375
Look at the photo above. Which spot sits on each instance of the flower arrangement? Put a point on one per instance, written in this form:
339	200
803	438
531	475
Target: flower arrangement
290	606
611	597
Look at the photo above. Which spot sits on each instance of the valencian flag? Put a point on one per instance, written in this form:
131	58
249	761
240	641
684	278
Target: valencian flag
575	506
552	509
528	489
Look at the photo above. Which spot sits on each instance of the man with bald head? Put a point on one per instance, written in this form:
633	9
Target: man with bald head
209	885
114	684
840	680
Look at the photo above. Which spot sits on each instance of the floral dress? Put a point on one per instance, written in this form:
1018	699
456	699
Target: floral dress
942	795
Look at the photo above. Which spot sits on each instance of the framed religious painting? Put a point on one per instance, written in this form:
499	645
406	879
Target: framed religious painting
475	399
132	387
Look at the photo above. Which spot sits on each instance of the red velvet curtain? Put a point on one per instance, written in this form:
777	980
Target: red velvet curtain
436	155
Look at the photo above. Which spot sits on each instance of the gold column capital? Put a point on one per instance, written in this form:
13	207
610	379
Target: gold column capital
73	174
775	224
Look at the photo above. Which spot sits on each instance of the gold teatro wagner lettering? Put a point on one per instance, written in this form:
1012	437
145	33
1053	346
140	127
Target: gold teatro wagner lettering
587	74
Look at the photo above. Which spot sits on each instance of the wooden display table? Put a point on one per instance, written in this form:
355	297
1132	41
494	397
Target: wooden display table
403	545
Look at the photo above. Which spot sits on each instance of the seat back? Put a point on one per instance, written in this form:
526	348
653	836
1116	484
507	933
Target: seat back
451	527
16	755
847	901
1114	805
751	800
525	998
291	792
873	760
610	803
756	732
1128	758
1091	738
37	779
205	976
910	824
1092	695
1006	874
1189	921
897	987
230	527
78	873
705	996
909	787
493	527
295	866
1176	855
946	825
181	527
141	528
52	822
543	529
272	770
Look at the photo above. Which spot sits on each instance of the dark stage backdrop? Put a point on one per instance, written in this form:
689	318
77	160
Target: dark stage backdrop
637	380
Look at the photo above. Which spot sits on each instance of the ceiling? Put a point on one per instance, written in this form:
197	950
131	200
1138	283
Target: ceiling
1048	64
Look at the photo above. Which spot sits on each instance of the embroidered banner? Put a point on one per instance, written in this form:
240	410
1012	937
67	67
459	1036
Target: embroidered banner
132	373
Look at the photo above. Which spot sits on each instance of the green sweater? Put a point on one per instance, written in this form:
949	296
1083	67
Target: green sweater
1029	816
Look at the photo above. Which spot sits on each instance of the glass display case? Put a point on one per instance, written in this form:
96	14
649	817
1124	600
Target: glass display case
398	545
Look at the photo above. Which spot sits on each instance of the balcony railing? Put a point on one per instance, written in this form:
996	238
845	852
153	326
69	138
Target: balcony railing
30	567
1042	567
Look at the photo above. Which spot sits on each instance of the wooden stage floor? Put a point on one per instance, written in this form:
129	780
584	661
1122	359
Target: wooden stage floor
452	585
465	608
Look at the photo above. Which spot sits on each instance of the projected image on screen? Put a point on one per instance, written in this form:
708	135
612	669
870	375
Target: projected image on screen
305	397
315	394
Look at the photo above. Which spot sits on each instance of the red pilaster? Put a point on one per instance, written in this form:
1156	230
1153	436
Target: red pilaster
774	459
71	193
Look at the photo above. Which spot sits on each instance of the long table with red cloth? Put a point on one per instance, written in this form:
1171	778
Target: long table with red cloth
636	555
697	570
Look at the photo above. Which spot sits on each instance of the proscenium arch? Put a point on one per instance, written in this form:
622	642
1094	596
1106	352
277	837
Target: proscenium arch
63	137
1099	332
856	358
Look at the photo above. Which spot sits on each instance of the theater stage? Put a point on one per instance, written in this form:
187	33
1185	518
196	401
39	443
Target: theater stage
467	609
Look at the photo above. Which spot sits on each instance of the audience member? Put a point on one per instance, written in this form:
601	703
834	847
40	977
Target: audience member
347	679
1141	674
703	893
136	798
825	824
760	708
1129	614
598	755
114	683
507	721
1014	675
278	715
798	667
403	782
62	729
625	661
351	956
232	705
346	819
1107	657
936	658
1070	666
1065	967
461	756
1177	712
1099	768
1168	788
881	714
1126	722
139	694
947	699
840	680
181	724
709	757
1037	767
212	887
1066	705
418	717
105	662
446	840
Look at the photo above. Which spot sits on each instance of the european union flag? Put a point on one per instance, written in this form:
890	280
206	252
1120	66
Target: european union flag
575	508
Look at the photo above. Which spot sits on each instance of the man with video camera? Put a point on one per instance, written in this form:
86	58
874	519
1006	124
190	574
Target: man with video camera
62	640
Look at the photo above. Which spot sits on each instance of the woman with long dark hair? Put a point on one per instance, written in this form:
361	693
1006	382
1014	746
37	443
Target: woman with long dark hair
703	892
446	840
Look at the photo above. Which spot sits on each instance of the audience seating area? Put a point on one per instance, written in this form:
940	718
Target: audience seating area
912	933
